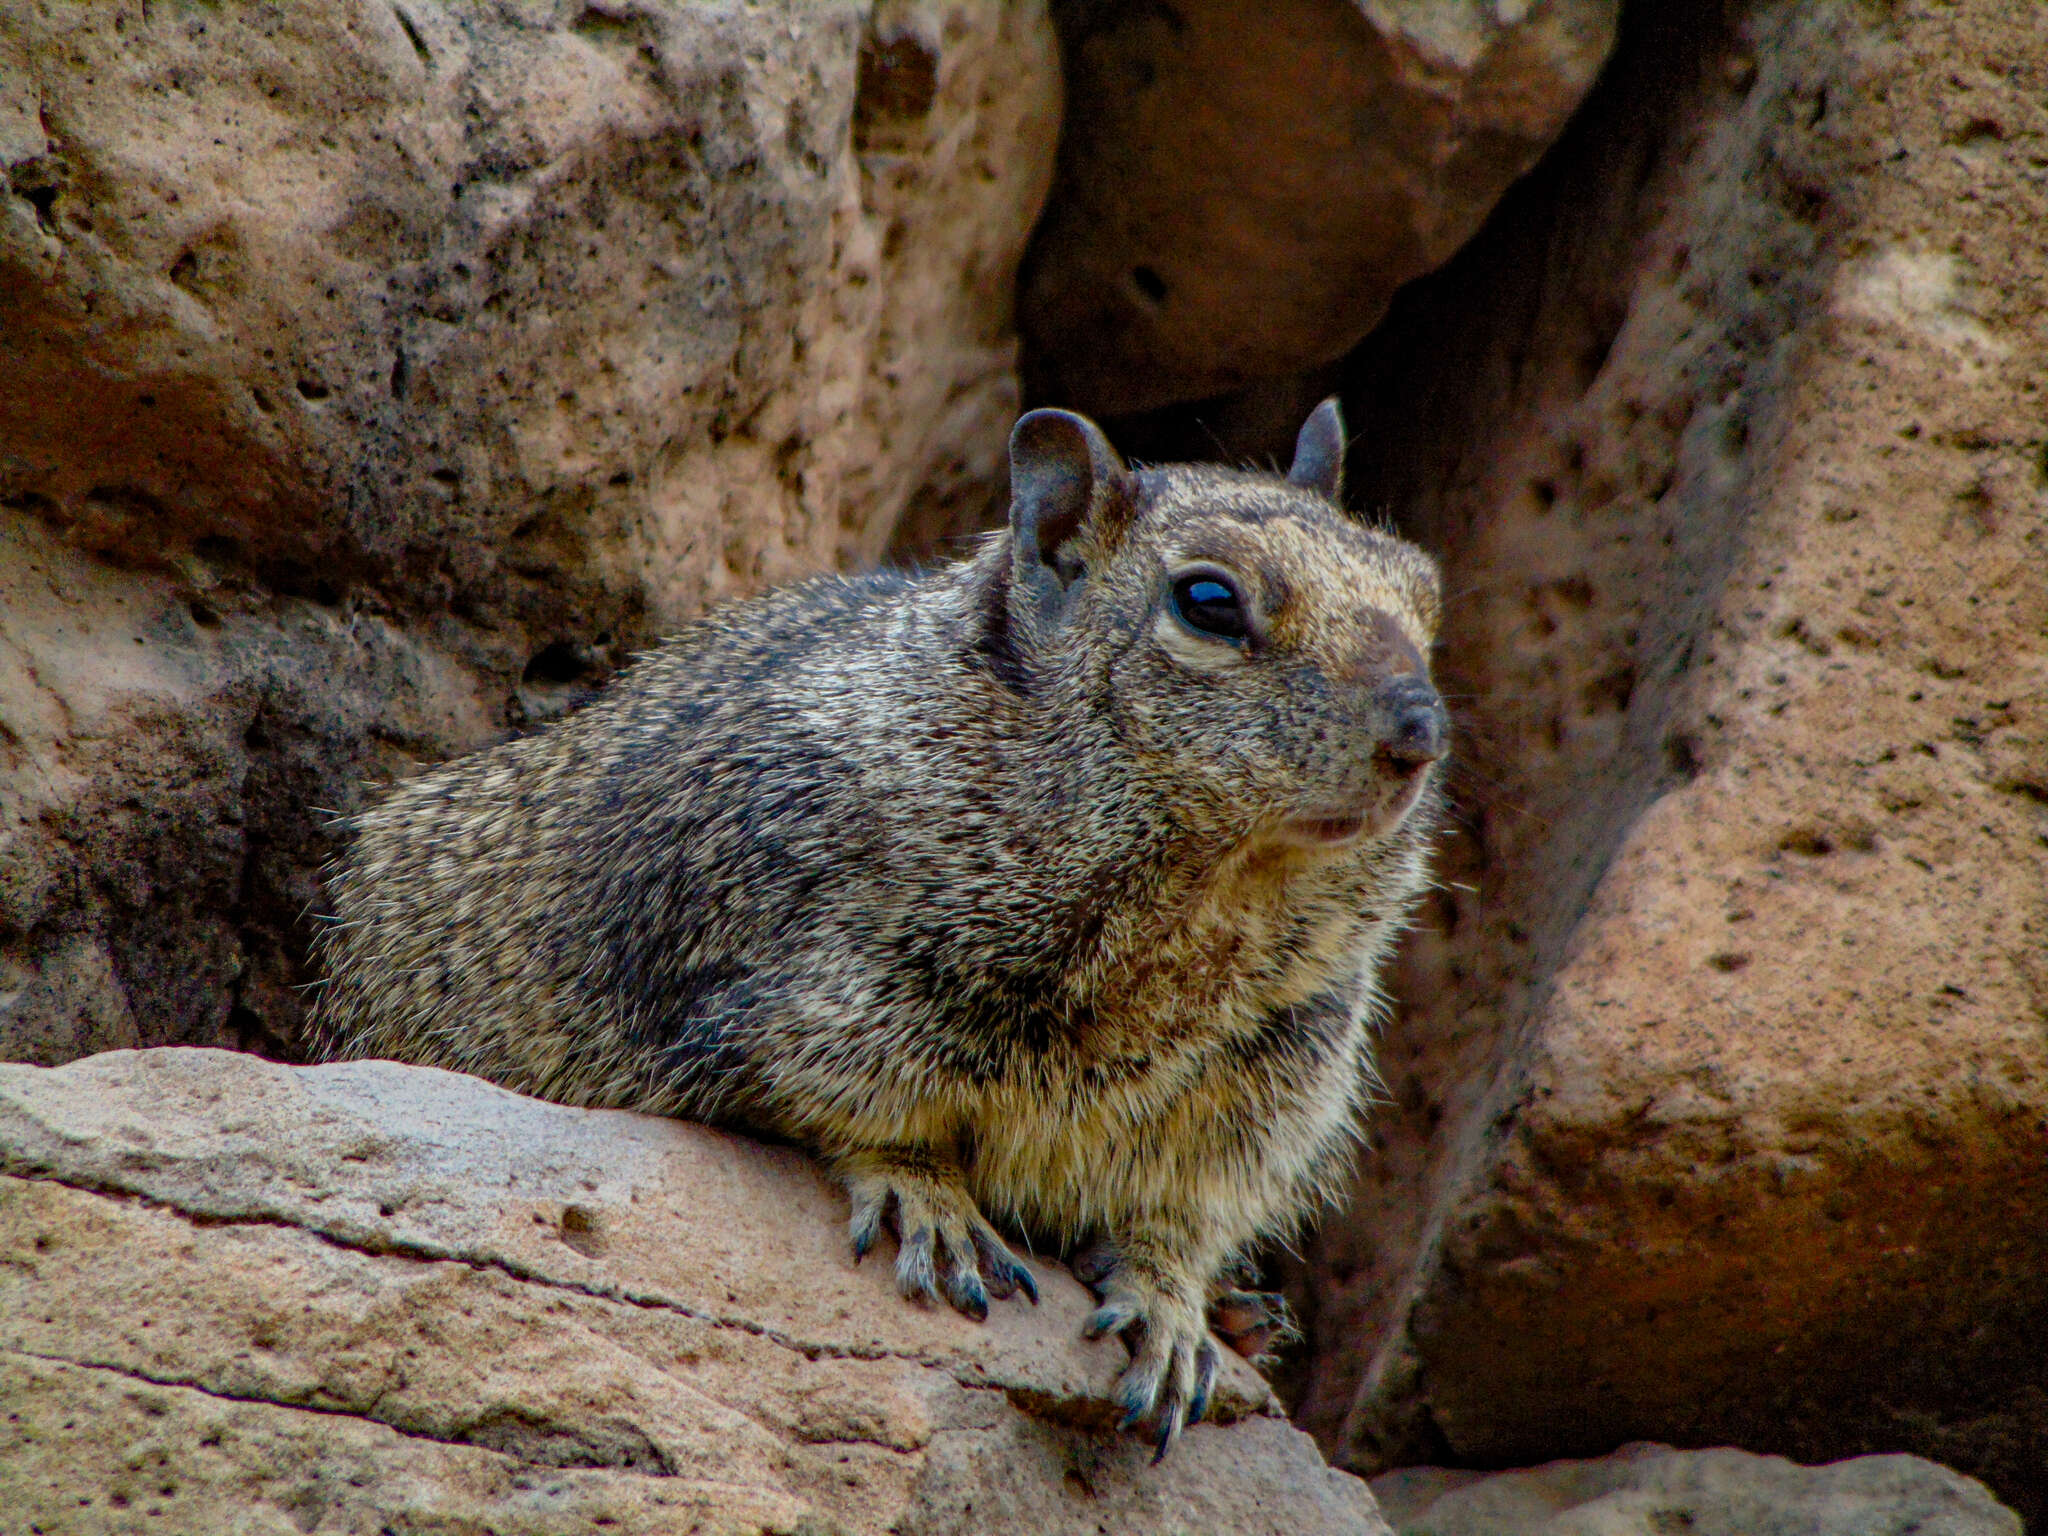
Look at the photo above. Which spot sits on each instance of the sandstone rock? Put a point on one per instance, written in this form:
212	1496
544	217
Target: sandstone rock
1238	201
1721	1078
379	376
1649	1490
366	1296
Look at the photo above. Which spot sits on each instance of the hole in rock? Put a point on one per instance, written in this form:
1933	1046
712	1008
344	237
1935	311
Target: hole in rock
412	35
561	663
44	201
897	84
583	1231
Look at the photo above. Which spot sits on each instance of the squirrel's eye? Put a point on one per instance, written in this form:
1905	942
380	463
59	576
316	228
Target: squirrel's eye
1210	605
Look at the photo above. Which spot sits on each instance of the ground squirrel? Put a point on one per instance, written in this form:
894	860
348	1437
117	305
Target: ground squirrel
1050	886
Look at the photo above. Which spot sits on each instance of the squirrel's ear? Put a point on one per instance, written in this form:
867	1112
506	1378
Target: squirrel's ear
1319	452
1064	476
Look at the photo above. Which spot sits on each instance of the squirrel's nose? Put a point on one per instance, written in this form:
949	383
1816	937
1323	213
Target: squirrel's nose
1417	728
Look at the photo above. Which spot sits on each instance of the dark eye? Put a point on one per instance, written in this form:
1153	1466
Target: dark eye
1209	605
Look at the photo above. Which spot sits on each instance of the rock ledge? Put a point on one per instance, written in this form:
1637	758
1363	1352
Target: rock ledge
245	1295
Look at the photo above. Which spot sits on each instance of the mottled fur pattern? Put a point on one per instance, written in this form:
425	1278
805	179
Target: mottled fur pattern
1000	886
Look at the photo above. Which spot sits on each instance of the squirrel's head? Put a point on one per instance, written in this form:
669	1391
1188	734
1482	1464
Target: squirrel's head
1245	636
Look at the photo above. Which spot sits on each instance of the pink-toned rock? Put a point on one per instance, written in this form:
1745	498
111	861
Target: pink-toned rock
370	1294
1650	1490
1722	1072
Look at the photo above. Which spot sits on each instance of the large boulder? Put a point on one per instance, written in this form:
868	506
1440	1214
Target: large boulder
371	1297
378	377
1652	1490
1239	196
1721	1077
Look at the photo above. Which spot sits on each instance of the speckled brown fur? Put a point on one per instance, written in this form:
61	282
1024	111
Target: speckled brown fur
1005	887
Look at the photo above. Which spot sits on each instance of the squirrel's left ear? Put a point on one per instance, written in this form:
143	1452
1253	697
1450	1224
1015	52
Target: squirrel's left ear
1319	452
1066	482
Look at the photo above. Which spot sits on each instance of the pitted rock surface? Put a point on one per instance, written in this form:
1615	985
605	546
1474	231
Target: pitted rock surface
373	1293
1720	1085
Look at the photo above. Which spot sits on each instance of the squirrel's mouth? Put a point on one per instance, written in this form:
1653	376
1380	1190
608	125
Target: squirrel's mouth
1385	806
1326	830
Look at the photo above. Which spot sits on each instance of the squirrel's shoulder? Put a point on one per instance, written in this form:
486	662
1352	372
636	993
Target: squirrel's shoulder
760	638
811	612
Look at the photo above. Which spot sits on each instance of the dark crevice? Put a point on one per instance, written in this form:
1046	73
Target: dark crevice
412	35
44	201
898	84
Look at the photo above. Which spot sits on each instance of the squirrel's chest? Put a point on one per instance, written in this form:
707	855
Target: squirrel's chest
1199	1019
1219	1055
1237	1112
1226	960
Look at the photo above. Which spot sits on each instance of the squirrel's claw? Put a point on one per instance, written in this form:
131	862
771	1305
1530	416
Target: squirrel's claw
1205	1382
946	1250
1172	1373
1171	1417
1170	1384
870	1199
917	1276
965	1290
1005	1273
1113	1316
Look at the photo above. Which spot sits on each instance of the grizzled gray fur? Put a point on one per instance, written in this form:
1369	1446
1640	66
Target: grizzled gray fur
1050	888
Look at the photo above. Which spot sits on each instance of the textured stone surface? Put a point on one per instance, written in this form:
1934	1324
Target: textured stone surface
1240	201
1721	1079
379	376
370	1294
1651	1490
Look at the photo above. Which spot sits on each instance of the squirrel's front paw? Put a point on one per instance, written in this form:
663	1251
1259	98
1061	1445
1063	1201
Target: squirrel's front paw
1173	1360
1253	1323
944	1244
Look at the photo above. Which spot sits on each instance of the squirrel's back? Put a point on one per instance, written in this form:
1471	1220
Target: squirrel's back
581	914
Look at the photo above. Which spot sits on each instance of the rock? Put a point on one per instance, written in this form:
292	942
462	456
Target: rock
380	376
1650	1490
1237	202
1721	1078
370	1295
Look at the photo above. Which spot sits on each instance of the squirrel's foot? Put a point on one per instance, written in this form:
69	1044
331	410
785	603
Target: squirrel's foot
1173	1360
1254	1323
945	1246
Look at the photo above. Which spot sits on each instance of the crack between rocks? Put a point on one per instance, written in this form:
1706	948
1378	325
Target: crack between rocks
126	1373
1048	1407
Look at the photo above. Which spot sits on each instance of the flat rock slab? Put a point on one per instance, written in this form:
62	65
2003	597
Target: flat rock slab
1649	1490
237	1295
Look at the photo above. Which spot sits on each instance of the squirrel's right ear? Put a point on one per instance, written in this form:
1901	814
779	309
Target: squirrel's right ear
1065	479
1319	452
